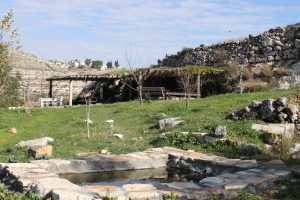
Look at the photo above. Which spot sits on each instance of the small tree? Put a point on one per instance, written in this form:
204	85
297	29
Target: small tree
9	42
202	73
117	64
88	62
236	71
186	82
97	64
139	75
109	65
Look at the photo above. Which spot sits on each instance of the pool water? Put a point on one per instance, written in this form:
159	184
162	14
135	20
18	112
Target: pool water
119	178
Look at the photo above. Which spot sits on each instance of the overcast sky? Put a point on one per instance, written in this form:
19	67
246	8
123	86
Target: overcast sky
102	29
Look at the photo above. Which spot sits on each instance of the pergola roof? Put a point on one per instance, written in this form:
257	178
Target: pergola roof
88	77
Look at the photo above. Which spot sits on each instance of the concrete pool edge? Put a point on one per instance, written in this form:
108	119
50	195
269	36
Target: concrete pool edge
41	176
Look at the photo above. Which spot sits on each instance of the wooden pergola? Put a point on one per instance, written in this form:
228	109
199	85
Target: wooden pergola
71	79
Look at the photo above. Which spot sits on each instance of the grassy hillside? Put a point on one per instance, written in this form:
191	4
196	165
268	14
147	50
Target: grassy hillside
67	127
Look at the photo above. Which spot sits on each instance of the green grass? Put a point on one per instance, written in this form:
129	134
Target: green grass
67	125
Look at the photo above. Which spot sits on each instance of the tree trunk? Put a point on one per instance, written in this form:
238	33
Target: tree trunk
141	95
88	117
241	84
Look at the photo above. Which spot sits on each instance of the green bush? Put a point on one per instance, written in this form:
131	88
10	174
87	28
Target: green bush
180	140
244	195
10	195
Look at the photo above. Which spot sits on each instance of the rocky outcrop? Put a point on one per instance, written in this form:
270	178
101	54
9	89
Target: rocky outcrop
281	110
275	45
34	71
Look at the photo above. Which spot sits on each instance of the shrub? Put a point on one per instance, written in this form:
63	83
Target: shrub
244	195
281	71
10	195
256	86
266	72
282	150
180	140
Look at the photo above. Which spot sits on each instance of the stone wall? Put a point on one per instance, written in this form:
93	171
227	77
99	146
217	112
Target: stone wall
274	45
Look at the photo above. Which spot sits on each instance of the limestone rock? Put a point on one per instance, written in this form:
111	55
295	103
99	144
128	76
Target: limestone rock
40	151
36	142
12	130
120	136
266	110
273	133
169	123
221	131
297	43
209	138
199	136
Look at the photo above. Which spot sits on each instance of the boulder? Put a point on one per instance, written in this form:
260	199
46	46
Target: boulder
36	142
12	130
120	136
295	148
209	138
251	149
266	111
287	130
220	132
281	102
199	136
297	43
295	151
169	123
88	121
40	151
268	42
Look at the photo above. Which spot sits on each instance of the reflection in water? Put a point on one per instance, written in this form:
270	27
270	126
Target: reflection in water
119	178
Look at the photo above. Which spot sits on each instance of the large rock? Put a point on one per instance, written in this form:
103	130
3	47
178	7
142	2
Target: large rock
266	110
251	149
36	142
295	151
40	151
169	123
287	130
273	133
221	131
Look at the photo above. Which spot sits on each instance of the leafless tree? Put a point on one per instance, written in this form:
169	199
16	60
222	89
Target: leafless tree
89	93
187	83
139	75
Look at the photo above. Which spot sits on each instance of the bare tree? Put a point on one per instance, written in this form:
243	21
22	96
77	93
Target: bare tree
238	71
139	75
89	93
202	73
187	83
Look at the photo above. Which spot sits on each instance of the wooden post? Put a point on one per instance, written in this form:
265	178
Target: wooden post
70	93
198	86
50	89
101	93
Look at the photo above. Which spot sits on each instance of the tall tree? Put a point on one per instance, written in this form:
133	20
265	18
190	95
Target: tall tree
9	42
